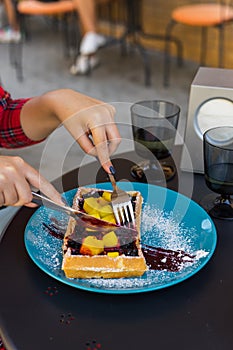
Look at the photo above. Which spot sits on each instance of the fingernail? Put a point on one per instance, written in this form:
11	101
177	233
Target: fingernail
112	170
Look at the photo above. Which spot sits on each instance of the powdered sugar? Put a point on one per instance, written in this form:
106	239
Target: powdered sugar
200	254
43	248
162	229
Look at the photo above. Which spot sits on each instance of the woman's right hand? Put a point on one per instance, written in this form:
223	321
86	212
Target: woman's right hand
16	179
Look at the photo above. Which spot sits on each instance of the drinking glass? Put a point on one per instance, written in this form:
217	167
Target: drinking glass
154	126
218	168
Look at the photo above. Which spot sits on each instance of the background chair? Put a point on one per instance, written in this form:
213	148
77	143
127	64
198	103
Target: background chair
65	11
136	35
62	11
215	14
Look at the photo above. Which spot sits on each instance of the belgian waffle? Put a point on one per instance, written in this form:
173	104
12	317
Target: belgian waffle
98	253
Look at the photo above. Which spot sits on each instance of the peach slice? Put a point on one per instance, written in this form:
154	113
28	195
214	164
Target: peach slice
110	239
92	246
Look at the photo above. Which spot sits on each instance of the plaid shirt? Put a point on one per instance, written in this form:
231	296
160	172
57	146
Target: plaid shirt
11	133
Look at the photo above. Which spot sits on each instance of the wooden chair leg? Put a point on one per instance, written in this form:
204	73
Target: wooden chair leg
203	45
167	54
65	32
221	41
15	55
74	35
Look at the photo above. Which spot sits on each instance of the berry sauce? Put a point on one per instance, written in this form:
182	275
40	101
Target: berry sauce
156	258
165	259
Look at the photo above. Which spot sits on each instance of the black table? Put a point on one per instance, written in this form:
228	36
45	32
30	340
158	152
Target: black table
38	312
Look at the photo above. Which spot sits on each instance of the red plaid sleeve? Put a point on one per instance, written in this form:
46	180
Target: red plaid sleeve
11	133
2	345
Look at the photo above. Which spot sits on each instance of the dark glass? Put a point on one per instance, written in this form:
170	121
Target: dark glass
160	149
220	178
154	126
218	168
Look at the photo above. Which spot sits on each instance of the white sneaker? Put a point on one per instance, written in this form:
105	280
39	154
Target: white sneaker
84	64
9	35
91	42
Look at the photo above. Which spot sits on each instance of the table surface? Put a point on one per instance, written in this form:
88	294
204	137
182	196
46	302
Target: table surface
194	314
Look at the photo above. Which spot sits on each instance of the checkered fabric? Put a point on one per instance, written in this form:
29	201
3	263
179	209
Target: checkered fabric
11	133
1	345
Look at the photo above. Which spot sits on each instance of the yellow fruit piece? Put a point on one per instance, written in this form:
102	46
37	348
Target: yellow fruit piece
102	202
110	239
107	196
95	214
110	218
105	210
91	204
92	246
113	254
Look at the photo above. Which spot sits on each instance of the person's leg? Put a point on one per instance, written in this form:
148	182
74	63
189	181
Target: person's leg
11	14
91	40
12	32
87	14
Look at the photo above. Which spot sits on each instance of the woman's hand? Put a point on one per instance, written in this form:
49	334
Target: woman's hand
16	177
96	132
89	121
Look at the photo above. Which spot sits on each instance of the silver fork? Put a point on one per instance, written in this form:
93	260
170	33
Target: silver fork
121	204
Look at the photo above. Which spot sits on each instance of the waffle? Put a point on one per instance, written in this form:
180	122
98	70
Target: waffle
100	254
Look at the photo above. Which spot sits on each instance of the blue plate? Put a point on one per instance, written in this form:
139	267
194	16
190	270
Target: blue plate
169	220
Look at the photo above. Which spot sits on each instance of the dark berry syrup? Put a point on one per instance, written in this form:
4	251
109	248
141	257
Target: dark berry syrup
156	258
165	259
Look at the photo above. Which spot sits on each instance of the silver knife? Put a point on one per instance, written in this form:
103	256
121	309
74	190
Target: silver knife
89	220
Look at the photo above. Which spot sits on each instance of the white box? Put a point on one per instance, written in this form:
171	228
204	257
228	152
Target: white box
210	105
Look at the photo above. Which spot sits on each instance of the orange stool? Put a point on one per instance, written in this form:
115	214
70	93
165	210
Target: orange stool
204	16
34	7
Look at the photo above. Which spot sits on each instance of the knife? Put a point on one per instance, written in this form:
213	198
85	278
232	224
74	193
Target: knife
90	221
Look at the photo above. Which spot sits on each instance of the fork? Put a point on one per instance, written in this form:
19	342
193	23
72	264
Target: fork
121	204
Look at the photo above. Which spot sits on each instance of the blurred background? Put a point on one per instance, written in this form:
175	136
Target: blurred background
119	79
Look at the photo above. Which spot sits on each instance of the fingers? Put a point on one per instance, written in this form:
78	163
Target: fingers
2	199
113	137
94	129
14	188
49	190
37	180
102	143
14	195
16	179
106	140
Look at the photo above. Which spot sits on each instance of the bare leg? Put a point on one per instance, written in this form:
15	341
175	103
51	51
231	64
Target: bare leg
11	14
87	13
91	40
11	33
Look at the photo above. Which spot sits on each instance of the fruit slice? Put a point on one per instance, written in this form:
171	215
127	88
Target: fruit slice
91	204
95	214
110	239
107	196
110	218
92	246
105	210
113	254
